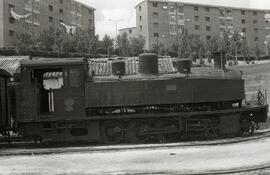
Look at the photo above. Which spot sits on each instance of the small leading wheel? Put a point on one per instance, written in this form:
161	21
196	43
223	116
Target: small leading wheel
137	131
112	132
37	139
247	128
168	128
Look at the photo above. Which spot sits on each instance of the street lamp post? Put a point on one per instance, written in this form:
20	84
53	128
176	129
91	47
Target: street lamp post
266	48
116	26
116	33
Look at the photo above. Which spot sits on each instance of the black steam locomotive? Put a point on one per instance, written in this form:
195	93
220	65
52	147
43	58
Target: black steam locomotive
127	100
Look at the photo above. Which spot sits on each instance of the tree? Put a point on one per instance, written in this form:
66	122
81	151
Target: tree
137	45
27	40
47	39
159	48
107	44
187	46
257	51
211	46
124	46
24	42
182	41
245	50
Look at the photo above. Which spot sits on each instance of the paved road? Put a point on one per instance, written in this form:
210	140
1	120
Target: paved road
167	161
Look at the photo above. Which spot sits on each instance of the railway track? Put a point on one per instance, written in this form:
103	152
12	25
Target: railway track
246	171
42	149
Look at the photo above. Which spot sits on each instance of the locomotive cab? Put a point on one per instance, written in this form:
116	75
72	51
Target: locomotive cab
5	118
51	89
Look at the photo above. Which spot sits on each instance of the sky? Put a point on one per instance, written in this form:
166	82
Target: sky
123	11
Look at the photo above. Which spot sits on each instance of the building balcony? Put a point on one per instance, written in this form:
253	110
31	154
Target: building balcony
29	9
34	23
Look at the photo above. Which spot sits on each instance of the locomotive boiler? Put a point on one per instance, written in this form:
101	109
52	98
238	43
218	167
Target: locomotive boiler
132	100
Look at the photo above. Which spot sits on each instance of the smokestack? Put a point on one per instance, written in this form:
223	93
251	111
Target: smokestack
148	64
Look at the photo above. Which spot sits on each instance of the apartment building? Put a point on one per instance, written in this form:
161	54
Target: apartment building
162	20
130	31
17	16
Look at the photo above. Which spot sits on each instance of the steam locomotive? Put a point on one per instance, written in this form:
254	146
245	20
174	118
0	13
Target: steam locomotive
124	100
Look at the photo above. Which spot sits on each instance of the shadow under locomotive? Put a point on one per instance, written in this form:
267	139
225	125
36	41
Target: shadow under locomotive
58	101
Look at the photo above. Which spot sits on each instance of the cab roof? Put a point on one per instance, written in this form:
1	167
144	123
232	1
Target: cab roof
53	62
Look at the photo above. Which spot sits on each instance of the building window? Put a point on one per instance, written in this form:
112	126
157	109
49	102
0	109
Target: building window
61	11
207	18
50	8
256	30
180	9
130	31
208	28
50	19
221	12
172	9
155	4
90	12
32	5
60	1
172	19
140	8
243	12
255	21
256	38
196	8
155	15
243	21
11	33
207	9
228	11
208	37
90	21
196	18
140	28
254	13
196	27
244	30
140	18
61	21
156	24
11	20
180	17
156	35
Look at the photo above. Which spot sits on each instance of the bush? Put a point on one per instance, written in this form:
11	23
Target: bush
265	57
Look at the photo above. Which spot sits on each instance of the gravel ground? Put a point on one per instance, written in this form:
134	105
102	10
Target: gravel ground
164	160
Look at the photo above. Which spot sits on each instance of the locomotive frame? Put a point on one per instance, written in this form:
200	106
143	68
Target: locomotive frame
64	113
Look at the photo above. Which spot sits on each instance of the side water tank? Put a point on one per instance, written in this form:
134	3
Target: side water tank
183	65
148	64
118	68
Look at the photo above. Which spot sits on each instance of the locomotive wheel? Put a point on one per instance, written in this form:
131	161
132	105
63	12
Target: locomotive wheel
247	129
170	129
136	131
112	132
